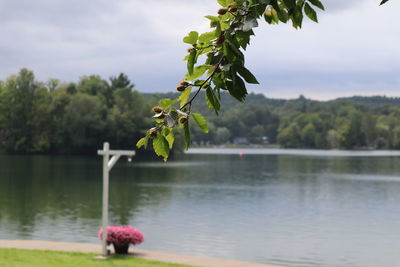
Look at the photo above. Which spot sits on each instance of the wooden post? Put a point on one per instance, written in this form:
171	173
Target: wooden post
107	166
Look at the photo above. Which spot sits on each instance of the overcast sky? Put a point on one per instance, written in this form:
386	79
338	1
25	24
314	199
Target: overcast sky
354	50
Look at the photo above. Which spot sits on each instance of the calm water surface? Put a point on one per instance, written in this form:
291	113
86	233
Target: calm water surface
291	207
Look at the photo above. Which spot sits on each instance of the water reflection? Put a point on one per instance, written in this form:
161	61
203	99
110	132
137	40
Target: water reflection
283	209
37	190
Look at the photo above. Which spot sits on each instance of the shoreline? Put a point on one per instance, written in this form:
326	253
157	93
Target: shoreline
294	151
145	254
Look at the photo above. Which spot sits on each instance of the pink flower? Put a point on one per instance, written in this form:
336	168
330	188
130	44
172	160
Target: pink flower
122	235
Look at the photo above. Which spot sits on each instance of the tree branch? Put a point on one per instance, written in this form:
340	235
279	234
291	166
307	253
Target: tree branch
189	103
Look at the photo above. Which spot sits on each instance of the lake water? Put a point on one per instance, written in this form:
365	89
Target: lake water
287	207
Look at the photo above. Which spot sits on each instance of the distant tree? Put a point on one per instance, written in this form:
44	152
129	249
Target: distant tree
41	120
222	135
43	117
59	133
256	133
332	139
290	136
308	135
396	138
52	84
129	116
85	117
96	86
71	88
17	106
121	81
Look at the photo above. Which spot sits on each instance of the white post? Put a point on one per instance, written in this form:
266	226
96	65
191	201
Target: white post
106	148
107	166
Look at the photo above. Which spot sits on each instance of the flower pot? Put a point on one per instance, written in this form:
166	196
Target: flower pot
121	237
121	249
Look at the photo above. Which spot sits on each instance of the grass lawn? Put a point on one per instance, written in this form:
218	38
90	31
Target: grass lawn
10	257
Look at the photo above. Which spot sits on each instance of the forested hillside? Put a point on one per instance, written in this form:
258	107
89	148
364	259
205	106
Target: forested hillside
348	123
54	117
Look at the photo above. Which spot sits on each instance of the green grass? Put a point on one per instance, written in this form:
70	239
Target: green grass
10	257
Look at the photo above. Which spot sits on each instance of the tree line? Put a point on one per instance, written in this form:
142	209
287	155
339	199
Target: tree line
55	117
344	123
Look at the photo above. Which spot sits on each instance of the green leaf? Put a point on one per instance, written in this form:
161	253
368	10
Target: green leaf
234	49
310	12
275	16
283	16
165	131
271	16
275	4
232	2
140	143
318	3
210	58
166	102
191	62
268	18
146	140
218	28
297	18
207	36
218	81
247	75
290	3
197	72
187	134
213	18
212	101
191	38
222	2
161	146
200	82
228	53
206	49
240	88
201	122
170	139
243	38
237	88
185	96
260	8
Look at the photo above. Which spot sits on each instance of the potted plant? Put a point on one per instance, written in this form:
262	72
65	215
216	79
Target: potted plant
121	237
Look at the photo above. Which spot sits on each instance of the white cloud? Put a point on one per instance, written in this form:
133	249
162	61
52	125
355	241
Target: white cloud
347	52
352	49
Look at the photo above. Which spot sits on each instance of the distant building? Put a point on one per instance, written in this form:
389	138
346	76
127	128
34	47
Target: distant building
241	141
265	140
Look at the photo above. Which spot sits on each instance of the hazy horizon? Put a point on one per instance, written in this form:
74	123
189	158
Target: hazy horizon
296	97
